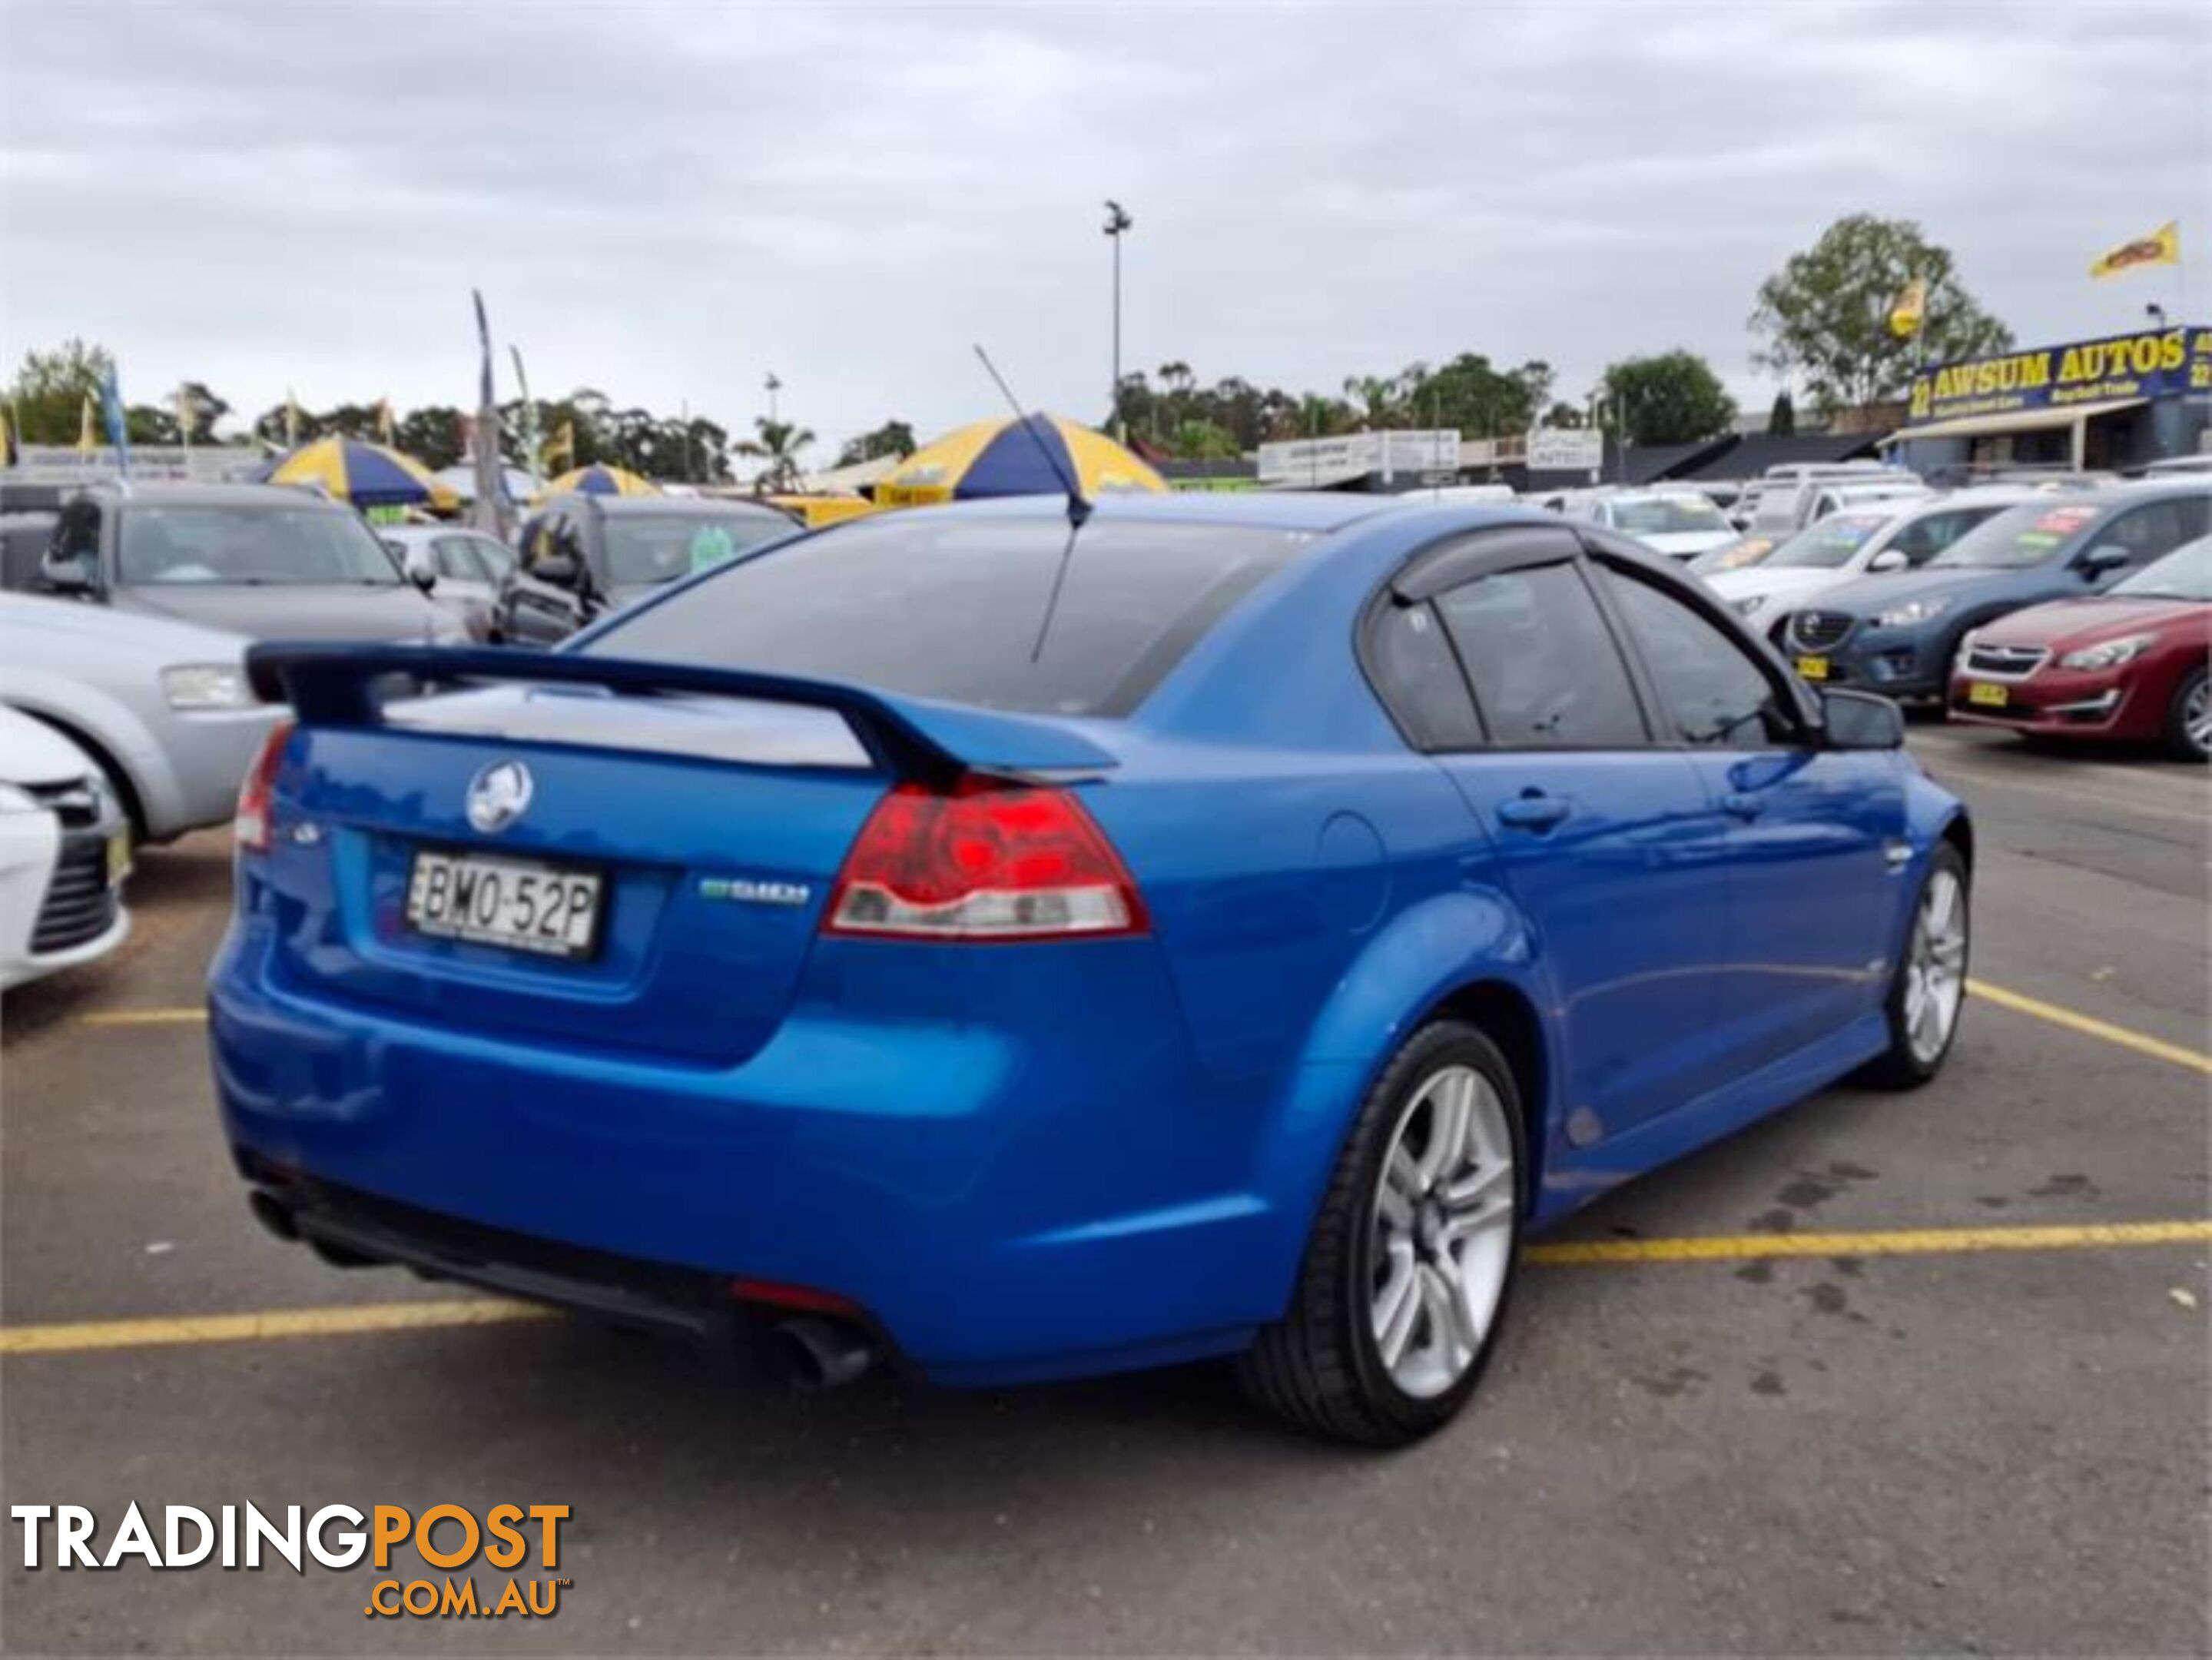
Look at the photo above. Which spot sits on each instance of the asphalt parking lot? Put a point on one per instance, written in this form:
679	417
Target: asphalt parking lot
1932	1380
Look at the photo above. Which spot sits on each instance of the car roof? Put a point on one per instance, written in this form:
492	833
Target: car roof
211	496
1318	511
705	506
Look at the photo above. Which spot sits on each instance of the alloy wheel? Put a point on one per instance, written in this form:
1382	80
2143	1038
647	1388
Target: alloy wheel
1445	1203
1935	967
2197	717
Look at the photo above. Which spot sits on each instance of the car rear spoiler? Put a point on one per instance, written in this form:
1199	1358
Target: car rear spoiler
345	685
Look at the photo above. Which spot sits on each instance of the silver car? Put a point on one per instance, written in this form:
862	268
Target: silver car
162	706
460	570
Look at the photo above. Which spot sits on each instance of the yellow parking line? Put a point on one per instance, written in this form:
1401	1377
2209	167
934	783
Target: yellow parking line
252	1327
1909	1241
2089	1026
145	1017
173	1330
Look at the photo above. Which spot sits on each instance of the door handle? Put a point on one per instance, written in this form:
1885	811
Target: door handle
1742	803
1533	812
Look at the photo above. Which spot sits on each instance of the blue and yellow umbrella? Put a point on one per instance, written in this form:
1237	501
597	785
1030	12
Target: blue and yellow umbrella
998	457
600	479
367	475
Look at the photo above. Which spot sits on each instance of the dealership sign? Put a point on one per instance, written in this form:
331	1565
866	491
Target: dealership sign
1562	449
2155	364
1328	460
64	463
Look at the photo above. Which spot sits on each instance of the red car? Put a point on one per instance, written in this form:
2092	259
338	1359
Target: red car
2126	663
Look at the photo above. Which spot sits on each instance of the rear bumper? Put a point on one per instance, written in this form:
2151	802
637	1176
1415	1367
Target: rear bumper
1002	1203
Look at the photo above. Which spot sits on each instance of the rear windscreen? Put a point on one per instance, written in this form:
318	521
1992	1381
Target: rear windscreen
932	606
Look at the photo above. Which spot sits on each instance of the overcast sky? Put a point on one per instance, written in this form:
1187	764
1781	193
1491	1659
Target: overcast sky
668	202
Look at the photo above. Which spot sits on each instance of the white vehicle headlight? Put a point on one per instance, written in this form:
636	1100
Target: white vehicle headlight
207	686
2109	654
1912	610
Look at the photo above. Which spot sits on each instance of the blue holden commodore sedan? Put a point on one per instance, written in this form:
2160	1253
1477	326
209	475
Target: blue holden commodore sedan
1019	948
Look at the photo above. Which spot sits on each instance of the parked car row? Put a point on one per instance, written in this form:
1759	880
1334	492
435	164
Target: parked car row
2081	667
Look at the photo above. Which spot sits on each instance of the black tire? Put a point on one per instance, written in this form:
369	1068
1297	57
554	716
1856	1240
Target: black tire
1318	1368
2178	740
1898	1067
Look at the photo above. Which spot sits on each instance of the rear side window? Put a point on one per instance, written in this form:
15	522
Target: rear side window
1924	537
1546	670
934	605
1418	679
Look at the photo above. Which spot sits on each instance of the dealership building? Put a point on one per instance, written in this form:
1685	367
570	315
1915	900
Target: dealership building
2116	403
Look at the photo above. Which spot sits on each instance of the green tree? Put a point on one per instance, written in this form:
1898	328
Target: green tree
776	445
1470	394
435	435
270	427
1568	417
1826	313
147	423
50	388
1671	398
1203	440
893	438
1782	418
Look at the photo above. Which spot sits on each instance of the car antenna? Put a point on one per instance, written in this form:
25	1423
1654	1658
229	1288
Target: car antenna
1079	509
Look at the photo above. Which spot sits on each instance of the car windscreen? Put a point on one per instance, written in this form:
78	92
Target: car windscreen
1667	515
1828	543
644	548
2023	536
2184	573
255	545
955	608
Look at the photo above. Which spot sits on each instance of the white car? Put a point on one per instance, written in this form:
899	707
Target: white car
1884	534
64	850
1679	523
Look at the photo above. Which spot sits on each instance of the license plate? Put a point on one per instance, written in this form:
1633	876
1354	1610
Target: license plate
1812	668
522	904
118	857
1984	691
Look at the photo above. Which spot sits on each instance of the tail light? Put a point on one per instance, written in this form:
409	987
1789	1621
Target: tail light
985	860
251	829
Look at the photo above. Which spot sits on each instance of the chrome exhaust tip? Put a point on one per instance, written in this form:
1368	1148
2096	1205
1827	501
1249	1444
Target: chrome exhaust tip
819	1354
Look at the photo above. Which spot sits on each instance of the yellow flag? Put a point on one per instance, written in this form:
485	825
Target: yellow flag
1910	309
2161	247
88	428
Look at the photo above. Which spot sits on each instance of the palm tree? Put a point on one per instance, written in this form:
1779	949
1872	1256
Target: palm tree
778	446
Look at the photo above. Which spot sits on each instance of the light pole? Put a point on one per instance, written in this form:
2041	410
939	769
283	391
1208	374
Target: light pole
1117	223
773	387
2156	313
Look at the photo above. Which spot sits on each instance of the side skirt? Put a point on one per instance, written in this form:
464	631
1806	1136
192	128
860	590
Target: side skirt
1574	1178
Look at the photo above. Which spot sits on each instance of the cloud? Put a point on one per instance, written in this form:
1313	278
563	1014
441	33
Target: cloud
668	201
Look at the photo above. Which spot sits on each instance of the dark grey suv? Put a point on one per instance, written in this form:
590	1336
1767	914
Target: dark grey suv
585	554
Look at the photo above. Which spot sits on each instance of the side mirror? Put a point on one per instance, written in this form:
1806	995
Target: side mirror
1860	720
2098	560
421	568
1889	559
73	576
